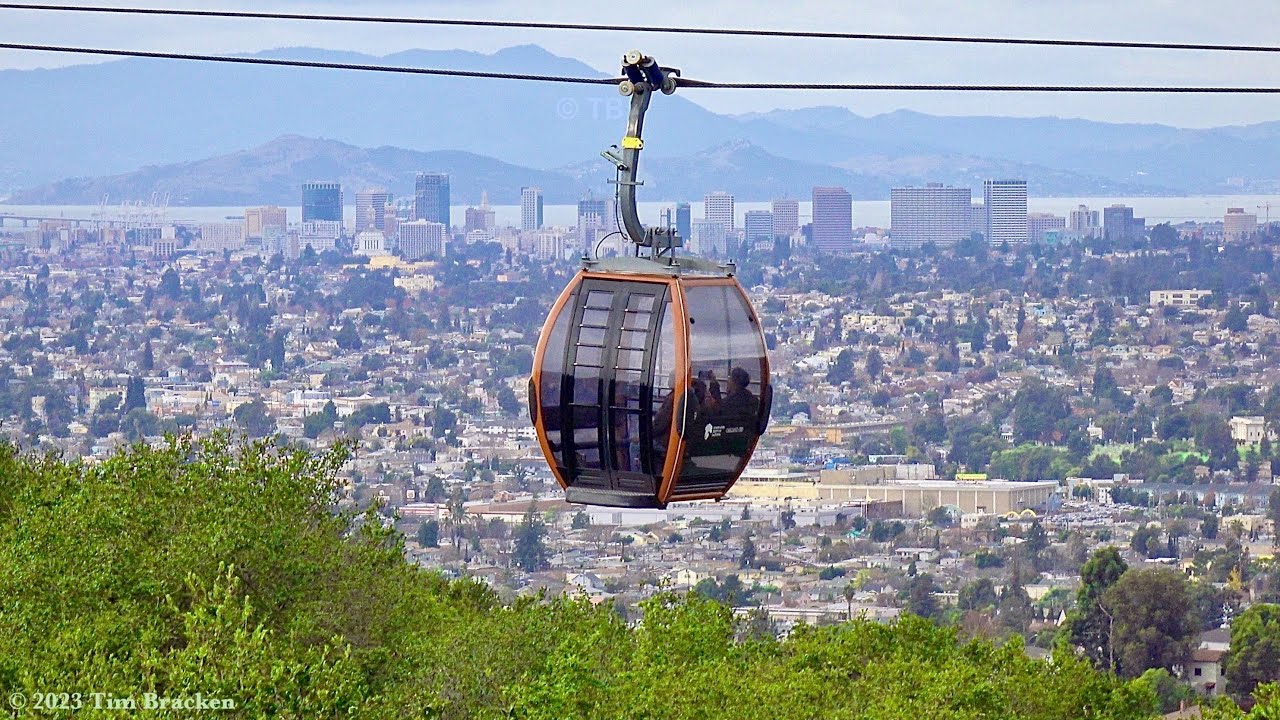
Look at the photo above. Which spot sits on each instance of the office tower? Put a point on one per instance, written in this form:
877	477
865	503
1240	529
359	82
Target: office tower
431	197
220	236
1119	224
480	219
597	207
530	208
1083	222
978	219
930	214
422	239
1006	202
708	238
1238	224
786	217
322	201
832	230
759	227
371	210
1044	226
718	207
684	220
319	235
258	220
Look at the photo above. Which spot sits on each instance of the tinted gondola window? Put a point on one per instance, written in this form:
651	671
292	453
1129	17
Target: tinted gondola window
727	362
551	380
663	399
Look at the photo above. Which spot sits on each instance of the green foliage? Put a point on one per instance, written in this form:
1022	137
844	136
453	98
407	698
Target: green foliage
1030	463
1090	626
1255	649
205	567
530	545
253	418
1037	410
1154	625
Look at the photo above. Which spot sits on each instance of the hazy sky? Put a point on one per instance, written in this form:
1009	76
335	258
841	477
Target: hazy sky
777	60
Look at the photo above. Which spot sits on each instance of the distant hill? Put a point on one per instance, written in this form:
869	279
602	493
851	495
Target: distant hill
274	173
112	118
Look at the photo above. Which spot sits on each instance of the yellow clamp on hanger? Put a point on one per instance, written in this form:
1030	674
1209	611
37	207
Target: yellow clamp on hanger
630	142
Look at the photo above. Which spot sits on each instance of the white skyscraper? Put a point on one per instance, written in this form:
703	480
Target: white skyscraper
1083	221
933	213
786	217
1006	203
718	207
421	239
530	208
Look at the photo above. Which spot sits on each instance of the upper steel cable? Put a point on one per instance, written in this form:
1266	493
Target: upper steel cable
532	25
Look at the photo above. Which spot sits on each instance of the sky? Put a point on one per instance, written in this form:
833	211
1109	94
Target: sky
776	60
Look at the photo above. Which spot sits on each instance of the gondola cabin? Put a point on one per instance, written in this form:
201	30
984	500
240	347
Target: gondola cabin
649	388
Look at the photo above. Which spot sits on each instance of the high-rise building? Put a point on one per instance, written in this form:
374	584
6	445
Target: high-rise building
684	220
322	201
759	227
258	220
1041	225
422	239
709	238
371	210
1238	225
1006	203
978	219
220	236
1084	222
832	230
431	197
1119	224
598	207
480	219
530	208
786	217
930	214
319	235
718	207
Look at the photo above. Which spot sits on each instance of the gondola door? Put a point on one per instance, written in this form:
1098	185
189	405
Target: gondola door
609	447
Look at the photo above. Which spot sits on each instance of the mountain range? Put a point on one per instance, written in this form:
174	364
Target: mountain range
177	119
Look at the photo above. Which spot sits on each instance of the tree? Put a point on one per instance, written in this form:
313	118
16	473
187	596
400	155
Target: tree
429	533
1209	527
1037	409
920	596
347	337
148	357
1014	608
1255	649
580	521
253	418
135	395
1154	625
747	558
875	364
1170	694
530	552
1235	319
841	370
1090	625
978	594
